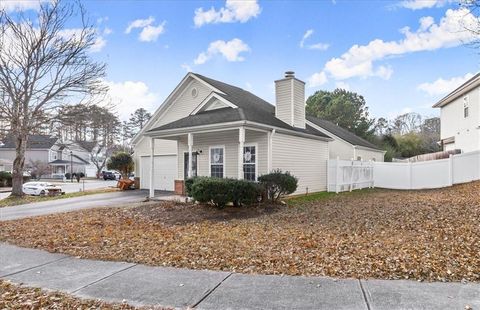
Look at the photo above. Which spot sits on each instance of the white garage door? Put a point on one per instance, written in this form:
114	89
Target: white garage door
165	172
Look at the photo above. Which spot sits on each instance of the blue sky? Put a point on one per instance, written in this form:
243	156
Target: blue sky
253	43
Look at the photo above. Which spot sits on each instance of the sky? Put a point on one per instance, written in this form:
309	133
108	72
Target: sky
402	56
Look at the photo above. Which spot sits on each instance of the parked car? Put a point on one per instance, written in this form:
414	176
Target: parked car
110	175
40	188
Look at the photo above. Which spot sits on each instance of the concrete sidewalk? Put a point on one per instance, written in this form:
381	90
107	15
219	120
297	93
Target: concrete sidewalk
182	288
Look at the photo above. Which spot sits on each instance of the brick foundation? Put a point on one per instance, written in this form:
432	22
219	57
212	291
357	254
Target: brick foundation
180	187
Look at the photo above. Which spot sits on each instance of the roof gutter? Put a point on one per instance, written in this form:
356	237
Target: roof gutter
184	130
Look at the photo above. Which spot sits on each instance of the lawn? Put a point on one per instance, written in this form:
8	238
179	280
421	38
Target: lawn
18	297
431	235
15	201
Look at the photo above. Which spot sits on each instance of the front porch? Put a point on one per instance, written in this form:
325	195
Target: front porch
62	167
239	152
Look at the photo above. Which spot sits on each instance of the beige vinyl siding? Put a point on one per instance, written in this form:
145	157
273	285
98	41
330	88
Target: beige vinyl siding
370	154
299	106
181	107
304	158
283	109
229	139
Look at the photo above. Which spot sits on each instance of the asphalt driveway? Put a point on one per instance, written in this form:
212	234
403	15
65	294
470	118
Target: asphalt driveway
72	204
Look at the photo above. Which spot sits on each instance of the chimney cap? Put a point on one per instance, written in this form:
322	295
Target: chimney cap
289	74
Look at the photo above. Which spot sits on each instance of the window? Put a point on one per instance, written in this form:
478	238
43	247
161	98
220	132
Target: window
250	163
465	106
217	161
186	162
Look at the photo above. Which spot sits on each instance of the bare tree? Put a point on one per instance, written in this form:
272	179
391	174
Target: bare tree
38	169
407	123
43	65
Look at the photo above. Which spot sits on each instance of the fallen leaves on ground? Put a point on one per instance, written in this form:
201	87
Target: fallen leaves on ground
429	235
19	297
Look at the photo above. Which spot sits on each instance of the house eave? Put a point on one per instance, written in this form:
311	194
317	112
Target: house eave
458	92
230	125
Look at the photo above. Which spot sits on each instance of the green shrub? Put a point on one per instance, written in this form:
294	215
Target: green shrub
219	192
244	192
5	179
278	184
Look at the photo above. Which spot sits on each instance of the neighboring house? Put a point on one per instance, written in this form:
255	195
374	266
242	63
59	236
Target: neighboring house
346	145
6	165
209	128
460	117
63	157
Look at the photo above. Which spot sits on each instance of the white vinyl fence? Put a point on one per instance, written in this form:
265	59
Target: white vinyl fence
347	175
459	168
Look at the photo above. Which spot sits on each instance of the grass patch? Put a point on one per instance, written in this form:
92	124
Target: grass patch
15	201
319	196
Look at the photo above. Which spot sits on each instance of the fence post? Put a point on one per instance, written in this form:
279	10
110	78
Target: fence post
351	176
410	175
336	174
450	169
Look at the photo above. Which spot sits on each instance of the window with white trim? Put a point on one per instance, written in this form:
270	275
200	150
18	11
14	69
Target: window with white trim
465	107
250	163
217	162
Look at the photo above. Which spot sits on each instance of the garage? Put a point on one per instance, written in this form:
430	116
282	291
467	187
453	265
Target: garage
165	172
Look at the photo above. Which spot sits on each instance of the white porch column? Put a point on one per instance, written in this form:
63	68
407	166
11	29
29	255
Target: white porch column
269	150
190	159
241	143
152	167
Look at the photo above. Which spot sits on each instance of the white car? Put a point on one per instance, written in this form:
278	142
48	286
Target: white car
40	188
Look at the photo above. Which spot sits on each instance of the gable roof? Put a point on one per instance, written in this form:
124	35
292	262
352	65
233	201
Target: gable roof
33	142
459	91
250	108
238	96
342	133
87	145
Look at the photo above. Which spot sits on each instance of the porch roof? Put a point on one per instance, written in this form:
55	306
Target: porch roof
64	162
229	115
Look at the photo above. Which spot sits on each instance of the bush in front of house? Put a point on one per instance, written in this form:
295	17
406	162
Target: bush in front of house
5	179
219	192
244	192
278	184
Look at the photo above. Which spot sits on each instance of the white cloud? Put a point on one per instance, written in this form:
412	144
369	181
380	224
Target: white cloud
130	95
359	60
21	5
319	46
317	79
442	87
423	4
186	67
99	44
234	11
149	32
307	34
107	31
342	85
316	46
139	23
230	50
75	33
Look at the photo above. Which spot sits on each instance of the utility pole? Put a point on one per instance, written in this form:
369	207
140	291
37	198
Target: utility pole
71	167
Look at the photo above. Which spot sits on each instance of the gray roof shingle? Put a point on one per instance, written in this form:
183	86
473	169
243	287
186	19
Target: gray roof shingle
33	142
340	132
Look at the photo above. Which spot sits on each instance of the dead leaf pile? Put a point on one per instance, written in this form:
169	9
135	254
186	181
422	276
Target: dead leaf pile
20	297
431	235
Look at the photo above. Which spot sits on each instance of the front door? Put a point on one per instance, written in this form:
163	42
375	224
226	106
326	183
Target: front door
194	165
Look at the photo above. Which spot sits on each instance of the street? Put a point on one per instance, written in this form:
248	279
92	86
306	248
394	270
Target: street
74	187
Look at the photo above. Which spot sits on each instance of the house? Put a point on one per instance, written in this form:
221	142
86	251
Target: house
6	165
59	155
460	117
209	128
346	145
